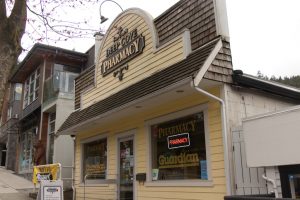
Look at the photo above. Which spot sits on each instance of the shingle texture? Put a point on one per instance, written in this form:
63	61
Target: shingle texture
84	81
196	15
221	68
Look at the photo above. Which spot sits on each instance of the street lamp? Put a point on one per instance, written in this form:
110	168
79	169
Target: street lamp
102	18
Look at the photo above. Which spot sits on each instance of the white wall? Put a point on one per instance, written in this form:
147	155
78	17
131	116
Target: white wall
64	144
273	173
273	139
242	103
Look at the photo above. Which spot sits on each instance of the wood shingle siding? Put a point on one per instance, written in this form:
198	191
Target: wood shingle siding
196	15
84	81
221	67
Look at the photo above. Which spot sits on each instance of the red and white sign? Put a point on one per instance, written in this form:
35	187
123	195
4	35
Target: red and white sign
179	141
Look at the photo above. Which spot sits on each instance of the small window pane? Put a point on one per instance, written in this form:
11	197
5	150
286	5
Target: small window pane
37	82
36	94
18	92
94	161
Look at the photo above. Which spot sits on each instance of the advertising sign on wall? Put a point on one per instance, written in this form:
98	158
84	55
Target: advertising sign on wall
126	45
179	150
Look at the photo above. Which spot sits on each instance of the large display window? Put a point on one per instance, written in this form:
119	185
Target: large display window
27	139
179	148
95	159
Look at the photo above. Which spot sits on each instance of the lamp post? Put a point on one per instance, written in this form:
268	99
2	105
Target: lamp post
102	18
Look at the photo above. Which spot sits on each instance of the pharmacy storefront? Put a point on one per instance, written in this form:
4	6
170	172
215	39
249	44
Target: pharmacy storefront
143	130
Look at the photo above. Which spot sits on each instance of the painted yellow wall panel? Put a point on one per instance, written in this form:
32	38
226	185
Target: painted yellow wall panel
217	157
208	189
180	195
142	66
137	122
216	142
218	165
216	150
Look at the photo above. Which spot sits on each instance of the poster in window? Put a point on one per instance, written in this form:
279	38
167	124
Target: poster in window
178	146
95	158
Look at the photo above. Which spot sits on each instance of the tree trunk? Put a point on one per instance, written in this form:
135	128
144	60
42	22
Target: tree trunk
7	63
11	31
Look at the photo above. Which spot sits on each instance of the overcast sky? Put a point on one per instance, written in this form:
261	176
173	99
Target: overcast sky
264	34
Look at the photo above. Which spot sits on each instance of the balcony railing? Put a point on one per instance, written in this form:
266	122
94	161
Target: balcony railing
60	84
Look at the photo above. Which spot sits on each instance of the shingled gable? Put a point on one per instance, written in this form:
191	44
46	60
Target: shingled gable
199	18
180	71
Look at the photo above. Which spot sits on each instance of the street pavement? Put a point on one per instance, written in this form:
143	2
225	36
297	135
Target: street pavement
13	187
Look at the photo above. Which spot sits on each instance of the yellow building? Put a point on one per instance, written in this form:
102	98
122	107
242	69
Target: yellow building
143	131
150	117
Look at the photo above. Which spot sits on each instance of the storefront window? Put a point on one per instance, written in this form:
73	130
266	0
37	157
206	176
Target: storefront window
178	149
26	147
95	159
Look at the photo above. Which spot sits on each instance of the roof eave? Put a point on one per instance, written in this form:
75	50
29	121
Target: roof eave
267	86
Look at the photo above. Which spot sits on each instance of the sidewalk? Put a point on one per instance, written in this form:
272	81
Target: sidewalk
13	187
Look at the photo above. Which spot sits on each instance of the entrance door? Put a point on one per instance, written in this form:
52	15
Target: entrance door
126	169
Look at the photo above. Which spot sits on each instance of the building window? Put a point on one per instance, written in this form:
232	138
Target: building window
51	131
17	91
64	78
95	159
31	91
26	149
9	112
179	149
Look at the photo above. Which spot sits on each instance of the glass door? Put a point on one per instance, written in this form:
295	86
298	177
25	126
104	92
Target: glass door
126	169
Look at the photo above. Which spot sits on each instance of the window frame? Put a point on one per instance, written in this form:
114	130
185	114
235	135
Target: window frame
14	92
50	133
86	141
34	92
173	116
9	112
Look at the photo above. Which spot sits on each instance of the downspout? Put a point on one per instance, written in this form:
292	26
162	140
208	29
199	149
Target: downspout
224	133
272	181
73	169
